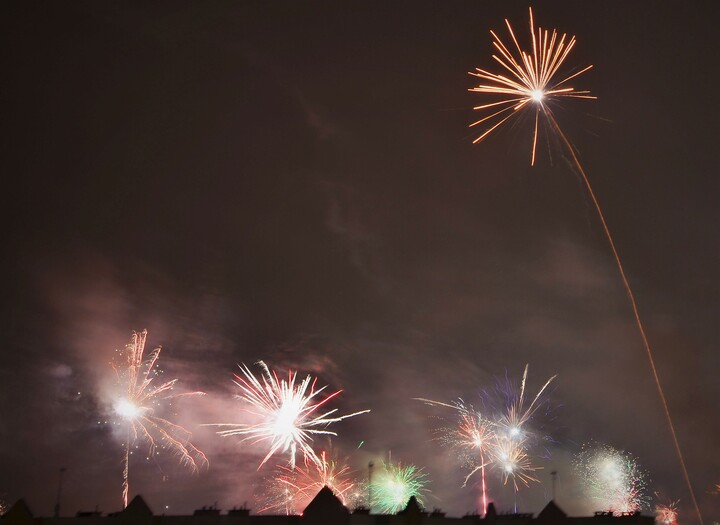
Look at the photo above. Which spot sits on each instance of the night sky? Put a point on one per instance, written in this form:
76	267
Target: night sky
295	182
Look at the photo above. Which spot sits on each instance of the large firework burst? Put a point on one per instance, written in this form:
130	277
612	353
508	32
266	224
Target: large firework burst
290	413
530	81
615	480
137	403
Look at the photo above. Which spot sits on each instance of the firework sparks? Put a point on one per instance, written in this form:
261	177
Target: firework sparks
500	441
615	479
472	438
513	423
136	405
290	413
666	514
514	463
532	82
293	488
513	435
395	485
475	435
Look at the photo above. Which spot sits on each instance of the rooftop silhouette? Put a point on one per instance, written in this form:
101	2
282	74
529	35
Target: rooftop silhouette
325	509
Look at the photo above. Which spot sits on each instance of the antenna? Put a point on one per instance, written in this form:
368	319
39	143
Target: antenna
59	493
370	471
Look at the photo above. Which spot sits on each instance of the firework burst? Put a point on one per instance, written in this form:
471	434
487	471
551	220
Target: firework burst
136	404
394	485
292	489
666	514
472	438
290	413
615	479
530	80
514	463
512	424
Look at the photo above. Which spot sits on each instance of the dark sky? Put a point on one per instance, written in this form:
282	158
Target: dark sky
295	182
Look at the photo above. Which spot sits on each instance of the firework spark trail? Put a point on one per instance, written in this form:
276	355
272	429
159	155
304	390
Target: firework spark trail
395	485
636	313
615	478
136	408
531	85
287	412
292	489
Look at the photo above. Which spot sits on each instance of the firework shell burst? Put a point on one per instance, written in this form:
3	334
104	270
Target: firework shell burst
615	479
138	402
528	81
394	485
290	413
472	437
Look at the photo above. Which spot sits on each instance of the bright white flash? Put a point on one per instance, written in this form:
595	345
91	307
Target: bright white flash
285	424
127	409
537	95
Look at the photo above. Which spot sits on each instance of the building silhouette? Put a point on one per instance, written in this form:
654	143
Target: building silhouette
324	509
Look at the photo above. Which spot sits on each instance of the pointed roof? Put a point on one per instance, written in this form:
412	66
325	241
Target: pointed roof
137	512
412	507
138	507
551	512
326	507
19	513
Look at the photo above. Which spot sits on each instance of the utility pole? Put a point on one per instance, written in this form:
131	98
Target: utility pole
370	471
59	493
